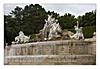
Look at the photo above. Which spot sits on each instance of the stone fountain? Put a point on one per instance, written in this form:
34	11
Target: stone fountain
53	48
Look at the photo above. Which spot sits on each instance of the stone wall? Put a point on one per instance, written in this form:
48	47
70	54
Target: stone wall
6	50
53	52
51	60
64	47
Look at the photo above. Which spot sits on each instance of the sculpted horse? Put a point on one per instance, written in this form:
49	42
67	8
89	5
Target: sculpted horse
17	39
51	28
54	30
21	38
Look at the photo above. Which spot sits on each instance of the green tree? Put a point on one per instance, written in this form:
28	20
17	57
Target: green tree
55	15
33	18
29	20
67	21
9	28
89	19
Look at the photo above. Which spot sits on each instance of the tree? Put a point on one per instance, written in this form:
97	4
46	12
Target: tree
29	20
55	15
9	28
67	21
89	19
33	18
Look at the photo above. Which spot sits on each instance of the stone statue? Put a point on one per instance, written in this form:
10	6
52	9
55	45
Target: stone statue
22	38
50	19
46	30
79	33
76	27
54	31
51	28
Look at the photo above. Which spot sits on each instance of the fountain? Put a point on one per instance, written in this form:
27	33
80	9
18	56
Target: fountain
67	50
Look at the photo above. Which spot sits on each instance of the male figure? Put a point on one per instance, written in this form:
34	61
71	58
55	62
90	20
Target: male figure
79	33
48	26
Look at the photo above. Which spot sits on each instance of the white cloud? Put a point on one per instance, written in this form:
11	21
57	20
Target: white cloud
75	9
11	6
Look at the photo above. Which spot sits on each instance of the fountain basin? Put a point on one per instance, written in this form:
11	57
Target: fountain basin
62	47
62	52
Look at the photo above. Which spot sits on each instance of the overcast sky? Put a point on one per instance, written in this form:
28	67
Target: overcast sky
75	9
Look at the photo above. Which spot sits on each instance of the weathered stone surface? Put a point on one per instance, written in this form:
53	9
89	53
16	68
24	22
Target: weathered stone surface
51	60
53	47
64	52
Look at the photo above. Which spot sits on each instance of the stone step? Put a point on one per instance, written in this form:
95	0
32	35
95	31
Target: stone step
51	60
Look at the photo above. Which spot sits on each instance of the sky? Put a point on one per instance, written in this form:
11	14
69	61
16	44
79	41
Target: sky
60	8
75	9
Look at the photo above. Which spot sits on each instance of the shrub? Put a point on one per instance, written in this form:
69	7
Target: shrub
32	36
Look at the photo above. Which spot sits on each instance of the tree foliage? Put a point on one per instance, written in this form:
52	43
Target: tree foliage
67	21
30	20
89	19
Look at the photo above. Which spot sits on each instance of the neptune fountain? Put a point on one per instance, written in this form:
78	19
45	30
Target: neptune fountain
68	50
